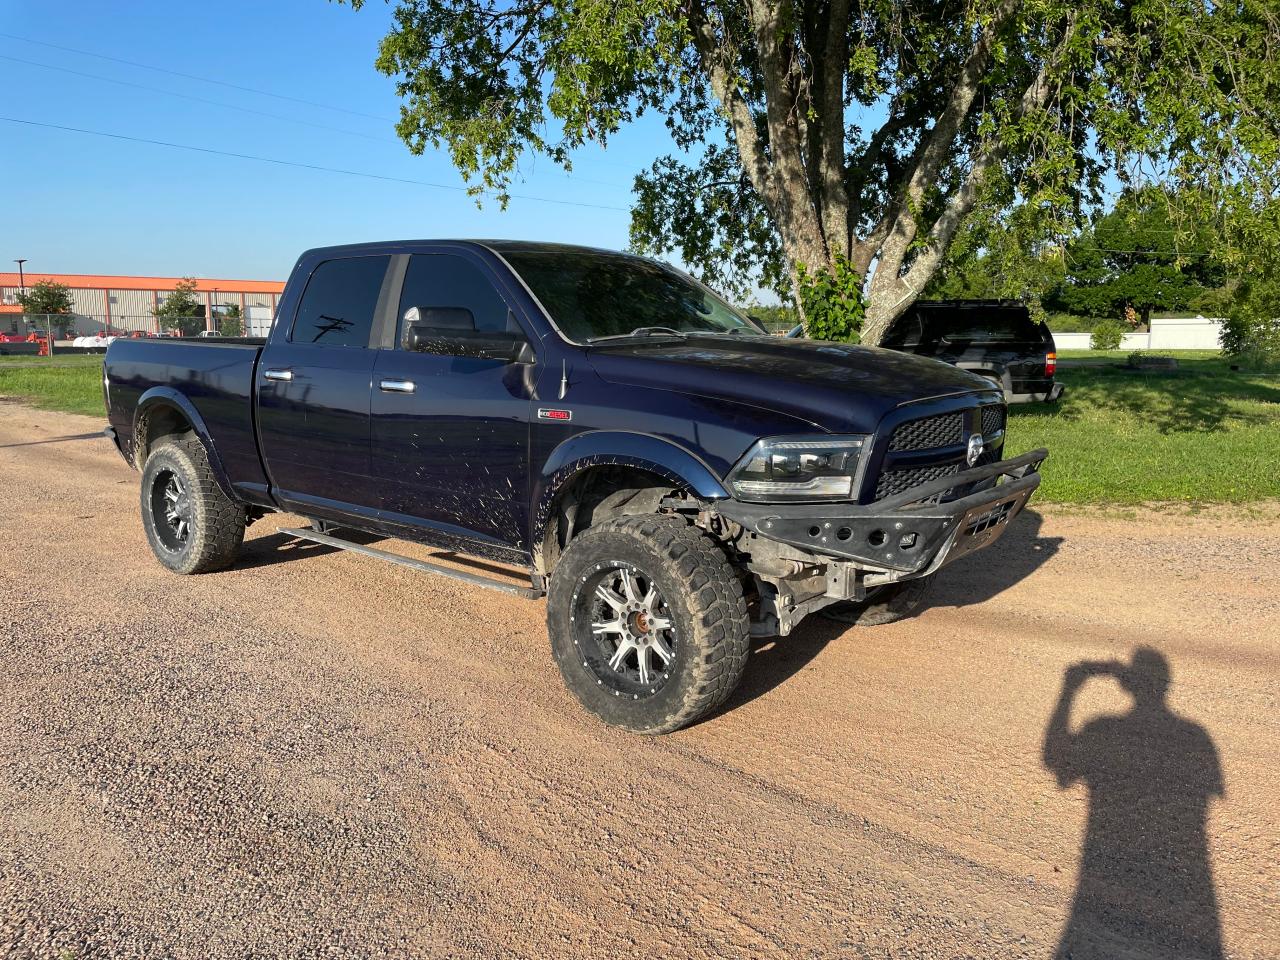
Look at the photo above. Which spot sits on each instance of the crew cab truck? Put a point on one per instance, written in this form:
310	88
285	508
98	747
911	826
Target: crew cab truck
671	478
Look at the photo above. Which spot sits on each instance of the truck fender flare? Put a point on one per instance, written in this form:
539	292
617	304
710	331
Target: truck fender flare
162	396
598	448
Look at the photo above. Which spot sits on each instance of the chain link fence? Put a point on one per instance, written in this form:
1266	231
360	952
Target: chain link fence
39	334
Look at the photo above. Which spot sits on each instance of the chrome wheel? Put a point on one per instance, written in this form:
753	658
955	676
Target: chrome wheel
624	630
171	510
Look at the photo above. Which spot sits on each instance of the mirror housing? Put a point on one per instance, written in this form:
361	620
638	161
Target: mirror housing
477	344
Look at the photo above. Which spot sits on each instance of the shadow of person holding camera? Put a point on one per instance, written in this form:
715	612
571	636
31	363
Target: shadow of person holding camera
1145	887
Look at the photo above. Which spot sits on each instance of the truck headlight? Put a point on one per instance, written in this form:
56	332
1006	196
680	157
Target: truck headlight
784	469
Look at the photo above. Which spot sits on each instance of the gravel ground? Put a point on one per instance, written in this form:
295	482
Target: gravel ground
314	754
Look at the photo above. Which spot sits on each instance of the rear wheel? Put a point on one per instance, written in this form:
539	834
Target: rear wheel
191	525
647	622
887	604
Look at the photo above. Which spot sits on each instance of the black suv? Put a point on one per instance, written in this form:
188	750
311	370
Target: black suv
996	339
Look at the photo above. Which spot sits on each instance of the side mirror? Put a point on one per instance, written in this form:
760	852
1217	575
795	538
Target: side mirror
478	344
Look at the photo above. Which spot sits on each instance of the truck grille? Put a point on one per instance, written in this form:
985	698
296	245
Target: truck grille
993	419
944	430
899	481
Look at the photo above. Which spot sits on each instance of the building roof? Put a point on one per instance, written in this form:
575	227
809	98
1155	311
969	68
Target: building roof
88	281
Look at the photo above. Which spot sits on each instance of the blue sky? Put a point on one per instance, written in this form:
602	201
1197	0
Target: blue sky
84	204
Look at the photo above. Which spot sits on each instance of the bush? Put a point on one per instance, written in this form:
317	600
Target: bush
1252	328
832	301
1107	335
1070	323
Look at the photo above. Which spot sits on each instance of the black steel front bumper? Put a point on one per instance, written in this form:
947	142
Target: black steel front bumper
910	533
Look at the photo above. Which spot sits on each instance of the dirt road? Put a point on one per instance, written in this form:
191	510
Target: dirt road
316	754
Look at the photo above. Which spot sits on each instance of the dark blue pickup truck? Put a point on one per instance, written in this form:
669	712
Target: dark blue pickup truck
670	477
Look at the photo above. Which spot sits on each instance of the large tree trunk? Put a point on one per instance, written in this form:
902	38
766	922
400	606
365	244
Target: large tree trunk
794	151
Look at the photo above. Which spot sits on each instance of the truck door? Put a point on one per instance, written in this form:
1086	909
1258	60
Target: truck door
313	391
451	434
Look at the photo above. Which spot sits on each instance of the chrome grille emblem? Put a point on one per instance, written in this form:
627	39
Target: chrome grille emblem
976	445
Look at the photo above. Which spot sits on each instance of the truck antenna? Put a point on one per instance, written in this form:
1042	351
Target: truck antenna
564	379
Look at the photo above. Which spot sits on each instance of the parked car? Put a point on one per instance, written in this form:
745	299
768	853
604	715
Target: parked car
671	478
996	339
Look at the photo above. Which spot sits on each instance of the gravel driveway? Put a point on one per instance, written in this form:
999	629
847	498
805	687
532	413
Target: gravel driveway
314	754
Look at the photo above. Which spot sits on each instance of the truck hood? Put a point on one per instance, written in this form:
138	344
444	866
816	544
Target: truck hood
839	387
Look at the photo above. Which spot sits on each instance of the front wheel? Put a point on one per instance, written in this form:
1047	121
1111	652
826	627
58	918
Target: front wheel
647	622
191	525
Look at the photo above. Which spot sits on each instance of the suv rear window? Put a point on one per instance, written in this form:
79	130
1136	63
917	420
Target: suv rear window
929	323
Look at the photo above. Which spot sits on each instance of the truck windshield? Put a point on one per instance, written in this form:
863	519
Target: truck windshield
593	295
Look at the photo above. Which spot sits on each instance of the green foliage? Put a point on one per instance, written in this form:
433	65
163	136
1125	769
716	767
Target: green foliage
1070	323
46	296
715	221
182	309
1052	97
1107	335
1252	328
1143	255
831	302
230	321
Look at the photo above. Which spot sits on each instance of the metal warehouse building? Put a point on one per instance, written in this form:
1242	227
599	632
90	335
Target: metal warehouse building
103	304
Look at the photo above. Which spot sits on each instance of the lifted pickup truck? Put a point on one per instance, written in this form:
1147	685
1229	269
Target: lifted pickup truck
671	478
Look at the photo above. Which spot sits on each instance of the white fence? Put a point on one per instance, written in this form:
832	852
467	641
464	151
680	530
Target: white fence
1167	333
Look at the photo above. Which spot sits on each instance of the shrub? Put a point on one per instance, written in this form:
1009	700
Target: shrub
1252	328
832	302
1107	335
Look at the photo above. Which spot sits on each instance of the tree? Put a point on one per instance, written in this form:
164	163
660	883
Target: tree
849	140
1140	256
230	321
48	297
182	309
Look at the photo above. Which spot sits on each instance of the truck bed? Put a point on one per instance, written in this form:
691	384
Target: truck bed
209	379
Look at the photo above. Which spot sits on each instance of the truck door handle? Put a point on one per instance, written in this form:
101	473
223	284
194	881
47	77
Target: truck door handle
397	386
285	375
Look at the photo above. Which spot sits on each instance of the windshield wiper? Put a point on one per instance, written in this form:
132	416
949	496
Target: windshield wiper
643	332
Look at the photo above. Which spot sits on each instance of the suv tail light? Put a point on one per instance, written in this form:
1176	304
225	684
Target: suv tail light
1050	364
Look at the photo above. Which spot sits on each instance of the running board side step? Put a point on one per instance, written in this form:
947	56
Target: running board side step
306	533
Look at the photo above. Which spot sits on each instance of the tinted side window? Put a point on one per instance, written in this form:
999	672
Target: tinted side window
437	281
338	304
980	323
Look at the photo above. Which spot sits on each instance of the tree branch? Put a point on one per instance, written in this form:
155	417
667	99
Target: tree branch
936	145
715	54
798	219
835	64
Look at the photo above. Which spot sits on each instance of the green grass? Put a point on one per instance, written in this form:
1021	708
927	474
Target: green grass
69	384
57	360
1202	433
1122	355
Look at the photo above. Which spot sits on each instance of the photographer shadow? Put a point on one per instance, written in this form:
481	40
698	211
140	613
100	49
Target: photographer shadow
1145	886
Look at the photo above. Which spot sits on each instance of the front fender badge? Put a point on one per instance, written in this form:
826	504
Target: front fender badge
554	413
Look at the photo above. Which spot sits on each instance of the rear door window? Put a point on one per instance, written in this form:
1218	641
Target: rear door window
338	305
